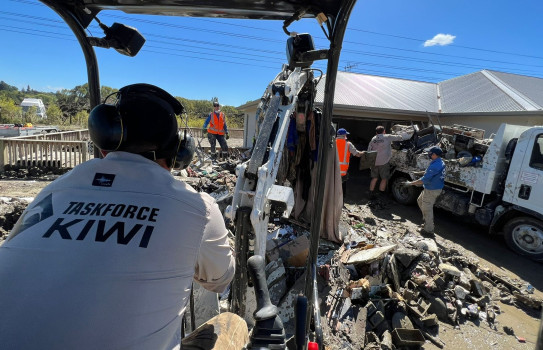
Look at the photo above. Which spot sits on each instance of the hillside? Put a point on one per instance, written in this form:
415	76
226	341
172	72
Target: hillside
70	107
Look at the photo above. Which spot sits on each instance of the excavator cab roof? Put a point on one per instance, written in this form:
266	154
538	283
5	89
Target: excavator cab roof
85	10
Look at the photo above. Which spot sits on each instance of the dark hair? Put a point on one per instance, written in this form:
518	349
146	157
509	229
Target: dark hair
380	129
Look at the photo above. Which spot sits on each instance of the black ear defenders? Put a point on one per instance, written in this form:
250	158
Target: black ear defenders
142	120
106	127
185	151
134	121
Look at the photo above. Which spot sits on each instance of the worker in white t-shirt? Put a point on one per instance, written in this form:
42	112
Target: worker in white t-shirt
381	143
105	256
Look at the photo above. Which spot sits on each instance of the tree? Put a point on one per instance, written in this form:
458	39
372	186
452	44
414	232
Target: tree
10	112
105	91
73	101
30	115
81	118
7	87
54	114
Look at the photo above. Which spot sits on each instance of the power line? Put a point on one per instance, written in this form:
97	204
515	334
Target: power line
244	57
345	50
172	40
460	46
381	34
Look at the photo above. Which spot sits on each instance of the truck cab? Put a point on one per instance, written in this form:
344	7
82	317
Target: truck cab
522	206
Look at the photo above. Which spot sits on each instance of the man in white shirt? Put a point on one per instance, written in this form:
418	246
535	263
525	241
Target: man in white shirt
381	143
105	256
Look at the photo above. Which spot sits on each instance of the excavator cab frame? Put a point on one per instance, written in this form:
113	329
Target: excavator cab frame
332	15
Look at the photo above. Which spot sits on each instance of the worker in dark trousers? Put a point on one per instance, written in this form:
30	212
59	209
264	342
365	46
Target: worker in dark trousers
215	126
345	149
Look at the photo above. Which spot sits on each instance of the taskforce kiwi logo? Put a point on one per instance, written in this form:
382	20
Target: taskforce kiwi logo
33	215
87	221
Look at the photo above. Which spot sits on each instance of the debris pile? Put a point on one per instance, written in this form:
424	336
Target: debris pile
385	287
47	173
216	177
388	287
10	210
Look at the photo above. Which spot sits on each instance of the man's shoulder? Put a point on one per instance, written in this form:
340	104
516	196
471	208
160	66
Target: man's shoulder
437	164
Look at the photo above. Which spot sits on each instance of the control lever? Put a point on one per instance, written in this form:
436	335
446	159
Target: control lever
268	332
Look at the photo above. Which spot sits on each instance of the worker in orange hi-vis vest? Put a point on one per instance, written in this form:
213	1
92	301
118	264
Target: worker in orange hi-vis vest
345	149
215	126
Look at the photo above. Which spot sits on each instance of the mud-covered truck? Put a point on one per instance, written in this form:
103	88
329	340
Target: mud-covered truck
496	181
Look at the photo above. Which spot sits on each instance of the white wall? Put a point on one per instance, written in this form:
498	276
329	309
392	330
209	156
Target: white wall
249	124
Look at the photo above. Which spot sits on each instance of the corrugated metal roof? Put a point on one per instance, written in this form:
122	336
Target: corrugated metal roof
475	93
359	90
479	92
530	87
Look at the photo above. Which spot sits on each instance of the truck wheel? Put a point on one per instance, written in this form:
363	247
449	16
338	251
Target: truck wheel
403	194
525	236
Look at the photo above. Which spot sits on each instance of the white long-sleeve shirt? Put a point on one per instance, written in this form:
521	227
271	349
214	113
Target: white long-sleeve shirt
382	144
104	258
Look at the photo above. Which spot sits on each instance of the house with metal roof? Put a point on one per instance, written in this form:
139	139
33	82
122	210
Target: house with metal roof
27	103
483	100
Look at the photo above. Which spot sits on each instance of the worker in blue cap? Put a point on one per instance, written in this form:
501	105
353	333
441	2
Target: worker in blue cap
433	182
345	149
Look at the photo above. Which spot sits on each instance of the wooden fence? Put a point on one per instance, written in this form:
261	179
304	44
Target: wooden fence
75	135
61	150
234	133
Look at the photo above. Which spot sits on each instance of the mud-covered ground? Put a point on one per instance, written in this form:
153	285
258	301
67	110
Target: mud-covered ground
451	232
472	241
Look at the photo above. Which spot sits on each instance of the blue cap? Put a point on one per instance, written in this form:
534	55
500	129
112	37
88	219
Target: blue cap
435	150
342	132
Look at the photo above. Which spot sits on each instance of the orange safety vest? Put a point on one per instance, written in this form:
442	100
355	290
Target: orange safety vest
344	155
216	125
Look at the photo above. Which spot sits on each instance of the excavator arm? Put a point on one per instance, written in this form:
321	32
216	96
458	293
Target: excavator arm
256	194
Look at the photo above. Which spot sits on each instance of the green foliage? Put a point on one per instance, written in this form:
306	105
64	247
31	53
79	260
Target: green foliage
10	112
105	91
81	119
54	115
72	106
30	116
71	102
6	87
198	110
14	95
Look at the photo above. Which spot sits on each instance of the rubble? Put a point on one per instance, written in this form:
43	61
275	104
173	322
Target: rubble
385	287
408	286
10	211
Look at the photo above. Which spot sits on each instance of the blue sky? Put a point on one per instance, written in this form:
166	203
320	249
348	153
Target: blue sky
199	58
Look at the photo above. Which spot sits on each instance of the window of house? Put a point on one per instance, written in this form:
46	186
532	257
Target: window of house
536	161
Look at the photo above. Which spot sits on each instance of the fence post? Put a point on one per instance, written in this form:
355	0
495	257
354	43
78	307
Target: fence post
3	155
84	150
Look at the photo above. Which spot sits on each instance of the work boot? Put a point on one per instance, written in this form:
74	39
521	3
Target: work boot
372	195
424	233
